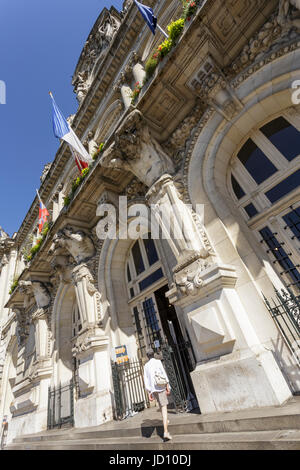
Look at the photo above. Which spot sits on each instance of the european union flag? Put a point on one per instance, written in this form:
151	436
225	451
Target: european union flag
148	16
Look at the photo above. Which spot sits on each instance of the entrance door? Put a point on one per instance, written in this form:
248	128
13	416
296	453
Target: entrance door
156	322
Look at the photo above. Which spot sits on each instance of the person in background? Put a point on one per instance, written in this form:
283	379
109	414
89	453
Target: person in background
158	387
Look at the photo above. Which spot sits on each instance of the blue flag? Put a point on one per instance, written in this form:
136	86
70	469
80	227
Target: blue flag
148	16
60	124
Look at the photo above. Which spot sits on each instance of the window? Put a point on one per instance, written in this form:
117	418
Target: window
137	258
284	136
143	266
255	162
285	187
238	191
275	180
280	255
251	210
292	220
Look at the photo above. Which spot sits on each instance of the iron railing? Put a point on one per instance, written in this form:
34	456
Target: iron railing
129	391
61	405
285	311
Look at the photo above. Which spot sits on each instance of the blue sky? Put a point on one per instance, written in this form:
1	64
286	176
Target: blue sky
40	44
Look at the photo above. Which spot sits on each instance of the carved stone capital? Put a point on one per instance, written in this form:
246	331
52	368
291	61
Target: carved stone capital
200	279
90	339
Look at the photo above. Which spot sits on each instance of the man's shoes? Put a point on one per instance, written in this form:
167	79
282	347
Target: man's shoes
167	436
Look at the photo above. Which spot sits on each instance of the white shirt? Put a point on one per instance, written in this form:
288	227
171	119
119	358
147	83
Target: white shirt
149	373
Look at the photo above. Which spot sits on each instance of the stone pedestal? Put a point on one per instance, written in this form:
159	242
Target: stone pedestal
94	406
234	371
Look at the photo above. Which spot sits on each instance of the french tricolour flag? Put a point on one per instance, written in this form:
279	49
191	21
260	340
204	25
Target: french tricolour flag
43	213
63	131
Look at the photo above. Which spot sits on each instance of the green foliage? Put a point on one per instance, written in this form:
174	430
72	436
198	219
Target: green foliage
150	66
76	183
98	151
67	200
136	91
175	29
14	284
84	172
45	229
165	47
189	8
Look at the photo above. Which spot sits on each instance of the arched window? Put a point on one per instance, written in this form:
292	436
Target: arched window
144	276
265	183
143	267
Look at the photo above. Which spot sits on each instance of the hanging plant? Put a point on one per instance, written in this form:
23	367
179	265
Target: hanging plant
98	151
136	91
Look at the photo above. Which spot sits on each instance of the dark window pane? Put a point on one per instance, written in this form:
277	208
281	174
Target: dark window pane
150	279
292	220
137	258
286	186
255	162
131	292
152	324
251	210
137	320
238	191
150	250
280	255
128	274
284	136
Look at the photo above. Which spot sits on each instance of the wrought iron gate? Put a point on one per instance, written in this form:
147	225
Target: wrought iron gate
129	389
285	311
61	405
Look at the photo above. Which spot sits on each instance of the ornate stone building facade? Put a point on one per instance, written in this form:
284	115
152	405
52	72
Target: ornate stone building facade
215	125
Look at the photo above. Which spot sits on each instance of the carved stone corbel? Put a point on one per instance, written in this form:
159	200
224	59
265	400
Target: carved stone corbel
77	243
135	150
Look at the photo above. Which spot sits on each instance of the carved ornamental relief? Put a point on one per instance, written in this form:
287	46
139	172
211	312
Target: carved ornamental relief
93	51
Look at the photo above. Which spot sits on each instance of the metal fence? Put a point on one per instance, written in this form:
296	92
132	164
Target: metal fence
285	311
61	405
129	391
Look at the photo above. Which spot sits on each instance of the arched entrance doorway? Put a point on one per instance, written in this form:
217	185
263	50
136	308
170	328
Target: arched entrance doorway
155	320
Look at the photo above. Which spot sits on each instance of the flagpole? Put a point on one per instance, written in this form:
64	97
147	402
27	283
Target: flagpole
161	30
38	196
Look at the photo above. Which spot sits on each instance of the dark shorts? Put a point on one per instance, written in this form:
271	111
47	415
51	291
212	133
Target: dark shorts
161	397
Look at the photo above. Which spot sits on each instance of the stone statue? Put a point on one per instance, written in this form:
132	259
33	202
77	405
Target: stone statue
285	18
78	244
37	289
135	150
45	172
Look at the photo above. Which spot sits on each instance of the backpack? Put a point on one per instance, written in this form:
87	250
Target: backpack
159	380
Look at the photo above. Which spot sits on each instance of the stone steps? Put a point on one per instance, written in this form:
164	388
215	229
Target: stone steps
269	428
258	440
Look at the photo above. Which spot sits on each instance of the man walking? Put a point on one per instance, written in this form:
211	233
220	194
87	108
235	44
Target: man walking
158	387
